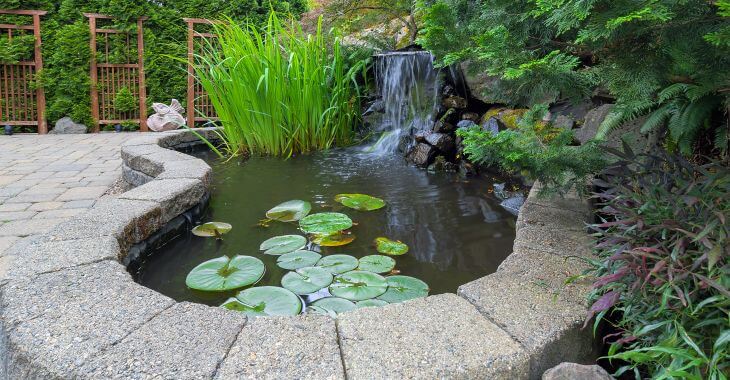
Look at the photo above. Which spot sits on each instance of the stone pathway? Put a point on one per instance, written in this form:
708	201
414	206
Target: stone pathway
45	180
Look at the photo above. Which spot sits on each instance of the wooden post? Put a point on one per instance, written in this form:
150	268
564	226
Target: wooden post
142	86
40	94
93	74
190	111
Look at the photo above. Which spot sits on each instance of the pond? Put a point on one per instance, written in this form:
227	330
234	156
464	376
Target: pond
454	227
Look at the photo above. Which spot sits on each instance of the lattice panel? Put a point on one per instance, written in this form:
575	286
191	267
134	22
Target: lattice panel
199	106
111	79
18	96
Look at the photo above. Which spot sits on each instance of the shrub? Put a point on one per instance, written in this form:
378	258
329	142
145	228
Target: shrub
663	249
280	92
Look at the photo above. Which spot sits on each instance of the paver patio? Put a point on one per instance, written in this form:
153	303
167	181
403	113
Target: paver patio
45	180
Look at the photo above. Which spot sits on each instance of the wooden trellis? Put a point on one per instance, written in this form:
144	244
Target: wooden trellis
199	107
107	78
23	102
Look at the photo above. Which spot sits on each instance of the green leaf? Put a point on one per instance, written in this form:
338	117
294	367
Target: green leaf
358	285
307	280
337	264
325	223
370	303
403	288
290	211
376	264
360	202
265	300
390	247
335	240
332	305
298	259
280	245
226	273
212	229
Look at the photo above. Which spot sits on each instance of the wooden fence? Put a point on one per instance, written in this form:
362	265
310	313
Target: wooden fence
23	100
199	107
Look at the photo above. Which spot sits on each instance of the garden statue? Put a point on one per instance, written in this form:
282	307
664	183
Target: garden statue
166	118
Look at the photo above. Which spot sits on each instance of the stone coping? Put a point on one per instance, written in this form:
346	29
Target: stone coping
69	309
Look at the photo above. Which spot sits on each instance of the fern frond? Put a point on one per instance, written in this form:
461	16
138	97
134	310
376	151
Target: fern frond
672	91
623	113
722	137
658	117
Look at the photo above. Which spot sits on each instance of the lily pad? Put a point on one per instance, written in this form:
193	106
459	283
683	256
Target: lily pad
390	247
332	305
325	223
265	300
226	273
370	303
290	211
403	288
358	285
306	280
337	264
212	229
280	245
337	239
361	202
298	259
376	264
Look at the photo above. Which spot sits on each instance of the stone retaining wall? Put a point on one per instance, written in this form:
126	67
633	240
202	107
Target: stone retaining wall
69	309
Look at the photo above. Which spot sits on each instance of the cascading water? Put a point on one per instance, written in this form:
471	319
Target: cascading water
409	88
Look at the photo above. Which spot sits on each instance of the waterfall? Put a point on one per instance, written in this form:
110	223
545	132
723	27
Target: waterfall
408	86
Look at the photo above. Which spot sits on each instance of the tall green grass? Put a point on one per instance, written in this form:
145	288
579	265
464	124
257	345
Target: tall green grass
279	91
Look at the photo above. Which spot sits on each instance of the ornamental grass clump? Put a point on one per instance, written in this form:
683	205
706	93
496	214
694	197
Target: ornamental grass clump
664	268
279	91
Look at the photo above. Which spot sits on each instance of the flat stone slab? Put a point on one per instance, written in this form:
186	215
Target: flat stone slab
534	214
27	227
58	321
554	240
302	347
175	196
435	337
186	341
546	325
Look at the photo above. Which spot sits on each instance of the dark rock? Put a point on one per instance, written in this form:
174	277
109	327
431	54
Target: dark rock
628	132
405	143
440	164
563	122
513	204
448	90
573	371
592	123
492	125
443	127
377	106
67	126
482	86
451	116
443	142
422	154
420	137
575	111
502	192
465	124
470	116
466	169
455	102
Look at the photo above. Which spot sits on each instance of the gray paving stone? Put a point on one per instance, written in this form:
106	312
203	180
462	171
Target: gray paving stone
62	213
186	341
27	227
11	191
82	193
58	321
175	196
45	206
195	169
8	216
436	337
32	198
302	347
8	179
86	203
546	325
6	242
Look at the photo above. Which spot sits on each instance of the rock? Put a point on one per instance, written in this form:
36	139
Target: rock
442	165
420	137
166	118
451	116
482	86
507	117
66	126
443	127
470	116
628	132
592	123
466	169
405	143
563	122
465	124
573	371
575	111
455	102
513	204
492	125
422	154
377	106
448	90
502	192
443	142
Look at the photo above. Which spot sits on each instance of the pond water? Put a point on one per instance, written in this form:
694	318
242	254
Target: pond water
455	228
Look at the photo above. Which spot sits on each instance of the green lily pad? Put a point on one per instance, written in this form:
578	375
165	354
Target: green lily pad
370	303
226	273
361	202
337	264
212	229
325	223
358	285
290	211
307	280
280	245
265	300
376	264
337	239
332	305
403	288
390	247
298	259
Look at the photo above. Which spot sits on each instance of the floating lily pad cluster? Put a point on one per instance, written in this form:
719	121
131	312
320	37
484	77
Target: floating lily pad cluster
347	282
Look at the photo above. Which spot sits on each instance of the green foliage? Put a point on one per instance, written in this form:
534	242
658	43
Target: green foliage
386	24
663	265
124	101
280	91
16	49
536	151
640	51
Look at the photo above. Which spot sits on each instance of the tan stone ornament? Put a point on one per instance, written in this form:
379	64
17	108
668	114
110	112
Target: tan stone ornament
166	118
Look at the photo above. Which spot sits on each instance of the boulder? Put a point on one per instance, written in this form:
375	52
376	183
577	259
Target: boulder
562	122
454	102
513	204
470	116
443	142
422	154
377	106
466	169
492	125
592	123
465	124
443	127
440	164
507	117
573	371
166	118
66	126
628	132
482	86
450	116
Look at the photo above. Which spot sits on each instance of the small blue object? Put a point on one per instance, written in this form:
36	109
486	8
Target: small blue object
9	130
118	128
